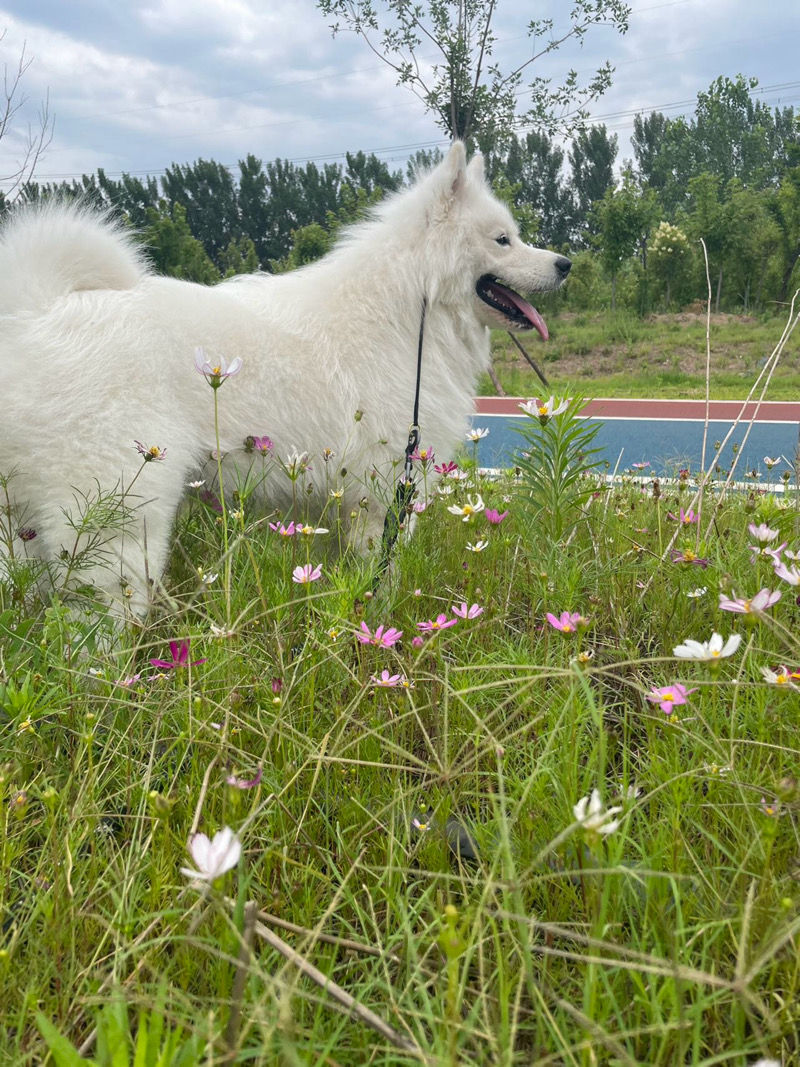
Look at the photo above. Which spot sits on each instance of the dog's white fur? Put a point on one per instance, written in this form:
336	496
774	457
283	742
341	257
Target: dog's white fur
96	351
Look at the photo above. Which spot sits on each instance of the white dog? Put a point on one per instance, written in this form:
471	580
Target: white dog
96	352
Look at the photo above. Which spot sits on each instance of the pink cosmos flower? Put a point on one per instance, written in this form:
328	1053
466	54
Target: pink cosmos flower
640	466
126	683
464	612
384	637
424	455
419	506
277	685
669	696
217	373
386	680
685	518
762	533
307	574
567	622
446	468
262	445
494	516
433	626
686	555
151	453
417	642
788	574
180	657
245	783
765	551
26	533
760	602
284	531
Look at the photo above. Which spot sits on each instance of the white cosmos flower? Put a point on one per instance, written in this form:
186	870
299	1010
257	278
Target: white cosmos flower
771	462
589	812
196	485
477	547
545	409
701	590
708	650
477	434
779	677
213	858
309	531
467	511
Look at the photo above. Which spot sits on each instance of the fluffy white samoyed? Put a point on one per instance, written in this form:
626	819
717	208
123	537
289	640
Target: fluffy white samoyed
97	353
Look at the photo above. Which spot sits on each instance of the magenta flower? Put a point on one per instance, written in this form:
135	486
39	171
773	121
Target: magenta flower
433	626
685	518
494	516
277	685
567	622
464	612
382	638
284	531
262	445
212	500
446	468
180	657
245	783
150	454
217	373
27	533
307	574
760	602
424	455
669	696
417	642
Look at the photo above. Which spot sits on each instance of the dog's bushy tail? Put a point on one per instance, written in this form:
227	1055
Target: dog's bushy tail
50	250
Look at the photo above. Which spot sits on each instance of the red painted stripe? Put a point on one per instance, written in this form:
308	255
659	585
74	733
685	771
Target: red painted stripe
726	410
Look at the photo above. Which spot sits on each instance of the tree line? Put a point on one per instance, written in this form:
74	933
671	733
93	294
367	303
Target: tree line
729	175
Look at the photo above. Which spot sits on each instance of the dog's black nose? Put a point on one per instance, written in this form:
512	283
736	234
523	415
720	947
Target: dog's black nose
563	266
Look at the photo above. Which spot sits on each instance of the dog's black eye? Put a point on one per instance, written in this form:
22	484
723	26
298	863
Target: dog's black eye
502	239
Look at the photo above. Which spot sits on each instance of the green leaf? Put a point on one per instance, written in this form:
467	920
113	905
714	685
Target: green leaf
64	1053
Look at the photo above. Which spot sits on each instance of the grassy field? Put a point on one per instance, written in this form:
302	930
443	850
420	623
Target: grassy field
623	355
417	837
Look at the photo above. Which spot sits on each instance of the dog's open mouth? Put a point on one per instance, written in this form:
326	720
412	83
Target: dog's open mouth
510	304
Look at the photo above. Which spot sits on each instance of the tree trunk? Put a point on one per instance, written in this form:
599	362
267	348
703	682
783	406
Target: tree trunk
614	291
787	275
719	291
747	295
669	283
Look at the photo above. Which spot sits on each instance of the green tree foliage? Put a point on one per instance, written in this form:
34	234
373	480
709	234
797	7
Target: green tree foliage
621	220
465	89
207	192
172	247
591	161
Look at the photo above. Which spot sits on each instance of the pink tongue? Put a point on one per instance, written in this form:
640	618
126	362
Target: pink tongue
530	313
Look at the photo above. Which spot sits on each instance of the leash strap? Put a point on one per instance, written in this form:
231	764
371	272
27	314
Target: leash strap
406	487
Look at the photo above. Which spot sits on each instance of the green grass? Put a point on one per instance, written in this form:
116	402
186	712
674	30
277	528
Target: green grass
624	356
672	941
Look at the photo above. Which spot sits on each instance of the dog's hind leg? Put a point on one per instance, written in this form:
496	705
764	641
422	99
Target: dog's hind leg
117	542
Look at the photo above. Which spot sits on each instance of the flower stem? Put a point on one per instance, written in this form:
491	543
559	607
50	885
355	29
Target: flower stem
224	513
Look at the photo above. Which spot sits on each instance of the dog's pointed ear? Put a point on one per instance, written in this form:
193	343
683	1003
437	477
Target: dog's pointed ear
476	169
451	172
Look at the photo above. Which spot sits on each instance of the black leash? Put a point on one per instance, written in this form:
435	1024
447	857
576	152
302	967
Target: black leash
406	488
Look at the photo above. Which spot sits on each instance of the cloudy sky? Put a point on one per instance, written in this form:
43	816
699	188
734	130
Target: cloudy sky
135	85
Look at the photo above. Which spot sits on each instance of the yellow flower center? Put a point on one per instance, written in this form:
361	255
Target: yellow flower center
714	652
154	451
543	410
667	696
468	509
566	628
782	679
216	370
